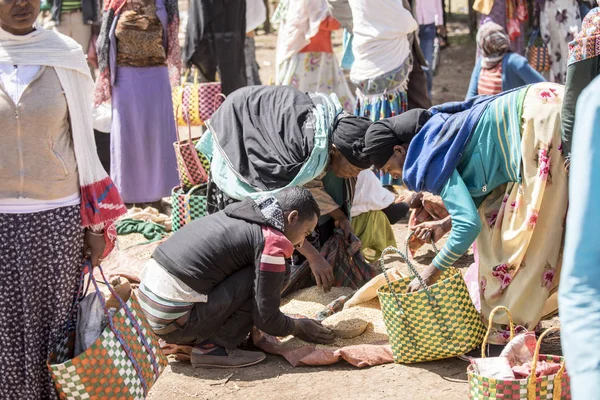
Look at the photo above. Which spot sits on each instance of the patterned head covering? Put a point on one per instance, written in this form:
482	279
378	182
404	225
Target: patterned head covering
587	42
494	44
271	210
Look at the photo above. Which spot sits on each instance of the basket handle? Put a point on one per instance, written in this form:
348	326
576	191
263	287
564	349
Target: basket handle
218	96
186	203
531	395
534	35
490	323
187	119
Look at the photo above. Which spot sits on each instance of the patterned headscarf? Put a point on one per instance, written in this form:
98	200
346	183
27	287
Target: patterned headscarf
587	42
494	44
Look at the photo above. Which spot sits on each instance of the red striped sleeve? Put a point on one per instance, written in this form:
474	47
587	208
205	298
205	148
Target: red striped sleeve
277	249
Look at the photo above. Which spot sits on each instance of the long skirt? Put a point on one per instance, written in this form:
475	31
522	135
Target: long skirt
520	243
559	22
316	72
40	265
143	164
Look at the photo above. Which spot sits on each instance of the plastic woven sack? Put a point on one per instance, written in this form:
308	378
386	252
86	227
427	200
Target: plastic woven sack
437	322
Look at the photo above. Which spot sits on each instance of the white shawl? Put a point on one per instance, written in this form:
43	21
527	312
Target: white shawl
48	48
101	203
380	43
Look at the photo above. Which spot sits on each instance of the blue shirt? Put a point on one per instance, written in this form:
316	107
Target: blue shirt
492	157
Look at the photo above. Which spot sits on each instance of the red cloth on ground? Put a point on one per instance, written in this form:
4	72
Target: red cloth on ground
321	42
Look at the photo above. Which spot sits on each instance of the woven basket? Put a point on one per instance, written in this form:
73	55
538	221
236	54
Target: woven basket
544	387
537	53
194	103
188	206
437	322
190	162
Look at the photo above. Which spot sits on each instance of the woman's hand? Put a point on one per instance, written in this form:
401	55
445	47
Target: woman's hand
345	226
431	231
93	246
321	269
413	199
430	276
342	222
323	272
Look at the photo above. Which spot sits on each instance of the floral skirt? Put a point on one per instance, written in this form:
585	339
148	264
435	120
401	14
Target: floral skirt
519	247
316	72
559	22
41	257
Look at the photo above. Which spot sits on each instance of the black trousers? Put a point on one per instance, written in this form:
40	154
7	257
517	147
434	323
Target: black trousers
218	45
396	211
225	319
103	148
417	88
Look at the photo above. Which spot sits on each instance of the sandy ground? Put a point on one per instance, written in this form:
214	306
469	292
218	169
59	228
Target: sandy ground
275	378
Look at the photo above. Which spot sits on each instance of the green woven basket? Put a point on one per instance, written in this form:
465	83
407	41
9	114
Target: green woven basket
188	206
437	322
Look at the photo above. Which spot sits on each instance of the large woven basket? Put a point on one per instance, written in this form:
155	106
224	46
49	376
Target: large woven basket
532	388
437	322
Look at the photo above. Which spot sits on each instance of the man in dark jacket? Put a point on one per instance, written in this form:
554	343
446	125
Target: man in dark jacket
214	279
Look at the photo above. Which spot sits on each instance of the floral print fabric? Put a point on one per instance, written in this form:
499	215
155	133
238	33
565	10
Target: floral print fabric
41	256
523	223
316	72
559	23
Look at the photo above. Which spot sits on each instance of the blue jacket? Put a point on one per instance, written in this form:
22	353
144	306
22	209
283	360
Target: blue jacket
516	72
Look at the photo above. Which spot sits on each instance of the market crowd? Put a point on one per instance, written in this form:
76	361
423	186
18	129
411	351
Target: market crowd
298	170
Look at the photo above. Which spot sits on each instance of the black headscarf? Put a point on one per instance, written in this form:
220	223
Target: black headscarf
349	138
384	134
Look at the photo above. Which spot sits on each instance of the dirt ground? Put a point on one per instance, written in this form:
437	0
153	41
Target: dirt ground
275	378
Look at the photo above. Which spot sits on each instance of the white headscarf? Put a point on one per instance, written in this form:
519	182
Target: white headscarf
380	44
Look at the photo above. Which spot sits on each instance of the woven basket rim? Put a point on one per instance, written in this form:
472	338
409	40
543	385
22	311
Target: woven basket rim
542	357
384	289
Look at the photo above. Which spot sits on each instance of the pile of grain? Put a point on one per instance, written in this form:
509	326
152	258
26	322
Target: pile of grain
370	312
347	324
310	301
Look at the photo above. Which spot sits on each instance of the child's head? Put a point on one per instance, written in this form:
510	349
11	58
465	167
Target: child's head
300	213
